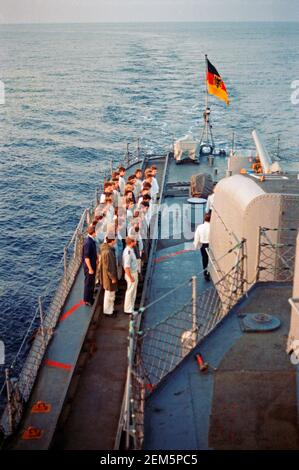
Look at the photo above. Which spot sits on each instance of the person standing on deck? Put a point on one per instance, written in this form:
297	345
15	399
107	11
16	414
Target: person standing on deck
108	273
121	180
89	265
201	241
155	184
148	180
134	232
138	183
130	266
115	193
210	201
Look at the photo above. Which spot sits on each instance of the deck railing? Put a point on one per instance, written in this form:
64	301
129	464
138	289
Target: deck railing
41	329
158	350
276	254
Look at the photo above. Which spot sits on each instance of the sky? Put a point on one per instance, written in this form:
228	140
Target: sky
81	11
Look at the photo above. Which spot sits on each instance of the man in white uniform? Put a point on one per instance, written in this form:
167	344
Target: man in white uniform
130	266
121	180
138	183
155	185
210	202
201	241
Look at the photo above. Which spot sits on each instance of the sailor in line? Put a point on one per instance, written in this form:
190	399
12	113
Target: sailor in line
130	266
121	180
119	214
201	241
210	201
108	273
89	264
155	185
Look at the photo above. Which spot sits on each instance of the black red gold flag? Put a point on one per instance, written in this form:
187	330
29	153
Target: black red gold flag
215	84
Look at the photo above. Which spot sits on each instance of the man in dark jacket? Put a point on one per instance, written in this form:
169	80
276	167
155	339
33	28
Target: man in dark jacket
108	274
89	264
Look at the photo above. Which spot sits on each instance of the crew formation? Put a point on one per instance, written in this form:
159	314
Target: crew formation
118	238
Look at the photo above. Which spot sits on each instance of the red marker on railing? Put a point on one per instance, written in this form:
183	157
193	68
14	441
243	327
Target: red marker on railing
203	366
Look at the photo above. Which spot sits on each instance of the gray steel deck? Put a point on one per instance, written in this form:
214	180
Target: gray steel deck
249	402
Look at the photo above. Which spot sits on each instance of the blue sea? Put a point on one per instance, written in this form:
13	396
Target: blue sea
77	93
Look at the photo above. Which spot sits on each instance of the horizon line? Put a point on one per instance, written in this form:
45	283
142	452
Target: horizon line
144	22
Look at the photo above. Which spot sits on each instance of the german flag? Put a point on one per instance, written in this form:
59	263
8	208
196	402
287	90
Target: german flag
215	85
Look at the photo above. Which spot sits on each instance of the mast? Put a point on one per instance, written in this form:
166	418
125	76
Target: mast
207	94
207	135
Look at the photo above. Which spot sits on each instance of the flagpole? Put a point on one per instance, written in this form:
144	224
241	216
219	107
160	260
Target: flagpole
207	94
206	114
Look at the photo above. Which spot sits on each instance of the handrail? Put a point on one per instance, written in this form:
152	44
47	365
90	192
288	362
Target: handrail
47	318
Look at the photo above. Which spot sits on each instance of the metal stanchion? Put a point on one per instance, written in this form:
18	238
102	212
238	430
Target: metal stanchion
65	265
9	404
41	316
127	157
194	317
138	149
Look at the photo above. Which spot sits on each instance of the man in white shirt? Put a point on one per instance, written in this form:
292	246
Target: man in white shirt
138	183
130	266
210	202
115	193
155	185
134	232
108	188
148	180
201	241
121	180
108	209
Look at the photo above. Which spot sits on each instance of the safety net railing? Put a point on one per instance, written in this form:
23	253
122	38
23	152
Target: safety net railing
276	254
158	350
21	374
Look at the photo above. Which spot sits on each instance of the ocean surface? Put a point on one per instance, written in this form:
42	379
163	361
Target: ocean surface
75	94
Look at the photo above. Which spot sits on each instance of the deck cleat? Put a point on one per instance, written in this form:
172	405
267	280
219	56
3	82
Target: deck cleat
32	433
41	407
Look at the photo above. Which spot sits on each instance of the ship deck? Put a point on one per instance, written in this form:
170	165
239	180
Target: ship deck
83	376
248	399
253	382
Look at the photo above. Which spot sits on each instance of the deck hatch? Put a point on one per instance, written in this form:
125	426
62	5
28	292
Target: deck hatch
259	322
